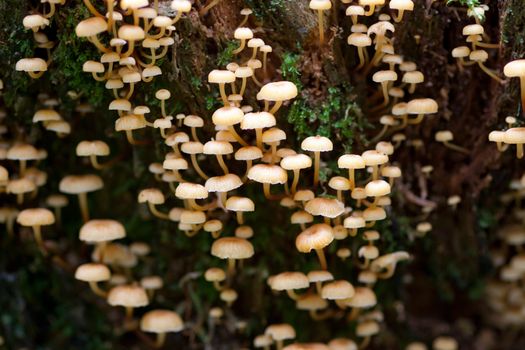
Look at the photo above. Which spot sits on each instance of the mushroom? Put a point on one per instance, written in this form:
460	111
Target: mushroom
90	28
315	237
516	69
280	333
161	322
515	136
342	344
219	148
446	137
413	78
128	296
228	117
243	34
258	121
100	232
338	291
93	149
444	343
289	281
193	149
20	187
246	12
81	185
153	197
232	248
151	284
22	152
374	159
215	275
354	11
371	5
222	77
366	330
296	163
421	107
222	185
320	6
94	273
191	192
240	205
353	223
248	154
57	202
313	303
277	92
36	218
481	56
401	6
268	175
128	123
361	41
384	77
317	144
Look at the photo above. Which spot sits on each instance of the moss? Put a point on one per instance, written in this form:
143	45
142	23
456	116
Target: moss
226	55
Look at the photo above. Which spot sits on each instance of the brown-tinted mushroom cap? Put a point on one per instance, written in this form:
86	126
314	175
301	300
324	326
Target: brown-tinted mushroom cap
127	296
161	321
317	236
232	248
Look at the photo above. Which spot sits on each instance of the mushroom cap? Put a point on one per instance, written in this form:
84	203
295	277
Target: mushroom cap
101	231
355	10
258	120
317	144
193	121
213	225
192	217
217	76
22	151
339	183
19	186
354	222
224	183
262	341
461	52
278	91
140	248
89	148
342	344
56	200
192	147
311	302
92	272
240	204
414	77
161	321
374	157
174	164
374	214
60	127
391	171
289	280
514	136
151	282
383	76
217	148
368	252
303	195
181	5
479	55
93	67
254	42
188	190
76	184
416	346
151	195
367	328
515	68
326	207
319	276
301	217
244	231
444	343
306	346
268	174
153	71
363	298
227	116
232	248
351	161
320	5
360	28
31	65
280	332
176	138
296	161
359	39
228	295
377	188
316	236
36	217
473	29
127	296
35	21
131	33
422	106
130	122
243	33
248	153
444	136
91	27
46	115
246	11
273	135
133	4
407	5
387	260
214	274
337	290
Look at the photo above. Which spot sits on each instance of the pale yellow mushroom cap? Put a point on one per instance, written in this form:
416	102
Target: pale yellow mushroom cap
391	171
217	148
248	153
46	115
317	236
301	217
181	5
377	188
289	280
515	69
227	116
321	5
22	151
306	346
374	214
133	4
75	184
212	225
337	290
342	344
151	195
319	276
339	183
297	161
93	67
359	39
228	295
514	136
479	55
36	217
384	76
367	329
278	91
243	33
34	21
326	207
131	33
407	5
224	183
317	144
273	135
241	204
19	186
373	157
127	296
187	190
151	282
232	248
88	148
91	27
351	161
444	343
416	346
130	122
174	164
265	173
280	332
422	106
414	77
56	201
140	248
354	222
214	274
311	302
461	52
262	341
92	272
355	10
101	231
221	77
161	321
31	65
473	29
257	120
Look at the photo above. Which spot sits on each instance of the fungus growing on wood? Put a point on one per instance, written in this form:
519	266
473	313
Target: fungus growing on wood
320	6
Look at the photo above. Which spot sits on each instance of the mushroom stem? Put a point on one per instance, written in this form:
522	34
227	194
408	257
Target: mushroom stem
237	137
381	133
131	139
317	161
522	86
243	22
130	91
490	73
371	10
416	120
217	285
97	290
258	137
36	75
249	164
351	178
208	7
163	109
240	218
161	339
231	267
197	167
84	209
276	107
92	9
296	173
399	17
37	231
292	294
265	64
193	204
502	147
354	314
456	147
267	193
243	86
364	344
321	26
375	172
318	287
240	48
279	344
322	258
94	161
273	147
222	164
224	97
194	134
519	150
129	313
156	212
94	40
487	45
362	59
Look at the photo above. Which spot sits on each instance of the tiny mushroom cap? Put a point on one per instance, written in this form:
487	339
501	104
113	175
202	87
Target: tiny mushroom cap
232	248
31	65
514	136
303	195
140	248
461	52
337	290
57	200
258	120
188	190
268	174
311	302
453	200
355	10
301	217
280	332
91	27
214	274
278	91
36	217
414	77
244	231
319	276
444	343
354	222
192	217
384	76
339	183
479	55
385	147
364	297
88	148
373	157
221	76
391	171
248	153
422	106
18	186
128	296
289	280
515	69
342	344
227	116
317	144
223	183
358	39
296	161
401	5
217	148
444	136
95	231
92	272
35	21
351	161
416	346
326	207
316	236
151	282
473	29
75	184
240	204
161	321
377	188
306	346
246	11
46	115
424	227
320	4
262	341
22	151
212	225
243	33
367	328
228	295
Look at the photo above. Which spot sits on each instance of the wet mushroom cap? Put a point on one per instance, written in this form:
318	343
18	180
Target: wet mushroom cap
269	174
326	207
316	236
278	91
232	248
